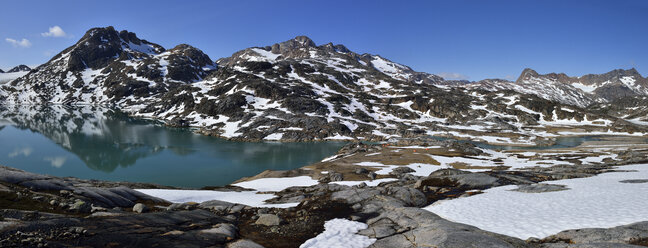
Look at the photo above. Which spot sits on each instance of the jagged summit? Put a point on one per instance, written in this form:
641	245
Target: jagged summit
291	45
330	47
300	47
304	49
107	66
580	91
100	46
19	68
528	72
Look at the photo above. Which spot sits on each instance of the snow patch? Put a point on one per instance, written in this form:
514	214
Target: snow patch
340	233
601	201
277	184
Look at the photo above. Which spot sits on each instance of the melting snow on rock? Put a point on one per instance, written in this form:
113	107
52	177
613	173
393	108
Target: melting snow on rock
340	233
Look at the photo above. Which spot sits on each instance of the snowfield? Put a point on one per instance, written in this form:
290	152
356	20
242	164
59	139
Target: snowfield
602	201
251	198
340	233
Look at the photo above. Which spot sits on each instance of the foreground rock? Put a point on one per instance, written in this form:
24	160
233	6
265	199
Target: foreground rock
635	234
161	229
70	193
42	210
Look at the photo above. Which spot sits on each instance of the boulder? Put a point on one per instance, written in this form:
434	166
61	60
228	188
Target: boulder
410	196
81	206
225	229
140	208
402	170
356	195
268	220
244	243
616	235
540	188
415	227
458	178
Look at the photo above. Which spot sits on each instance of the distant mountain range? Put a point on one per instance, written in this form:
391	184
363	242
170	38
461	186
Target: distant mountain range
580	91
13	73
297	91
20	68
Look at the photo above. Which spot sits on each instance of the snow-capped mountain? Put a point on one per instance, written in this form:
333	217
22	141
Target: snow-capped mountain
107	66
614	85
580	91
292	91
19	69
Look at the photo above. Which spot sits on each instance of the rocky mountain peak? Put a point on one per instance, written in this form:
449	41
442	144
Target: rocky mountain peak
1	71
617	76
20	68
618	73
99	46
330	47
300	47
107	66
304	41
527	73
292	45
632	71
192	53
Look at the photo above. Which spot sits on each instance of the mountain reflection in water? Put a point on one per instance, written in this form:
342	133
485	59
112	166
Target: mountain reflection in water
66	141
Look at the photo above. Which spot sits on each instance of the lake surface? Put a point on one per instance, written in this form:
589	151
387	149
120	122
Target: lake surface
98	143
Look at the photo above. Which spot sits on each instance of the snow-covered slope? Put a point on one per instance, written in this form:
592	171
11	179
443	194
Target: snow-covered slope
292	91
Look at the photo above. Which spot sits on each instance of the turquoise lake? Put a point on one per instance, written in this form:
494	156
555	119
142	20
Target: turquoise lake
98	143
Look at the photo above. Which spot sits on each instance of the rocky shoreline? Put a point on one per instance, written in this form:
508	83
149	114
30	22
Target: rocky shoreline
45	211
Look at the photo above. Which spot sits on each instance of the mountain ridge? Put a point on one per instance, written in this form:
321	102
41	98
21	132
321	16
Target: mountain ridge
583	91
291	91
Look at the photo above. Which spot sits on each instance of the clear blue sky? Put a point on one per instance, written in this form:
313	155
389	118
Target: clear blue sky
473	39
